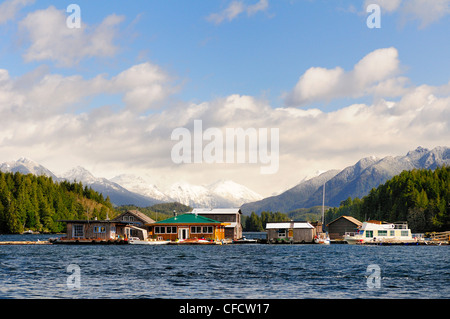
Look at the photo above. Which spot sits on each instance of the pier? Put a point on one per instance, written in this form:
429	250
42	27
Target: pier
44	242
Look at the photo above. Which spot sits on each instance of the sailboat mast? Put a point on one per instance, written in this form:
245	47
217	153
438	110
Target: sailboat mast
323	205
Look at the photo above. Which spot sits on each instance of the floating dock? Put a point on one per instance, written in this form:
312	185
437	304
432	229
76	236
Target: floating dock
44	242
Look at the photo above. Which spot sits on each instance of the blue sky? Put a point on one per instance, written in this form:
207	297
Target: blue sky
202	54
260	55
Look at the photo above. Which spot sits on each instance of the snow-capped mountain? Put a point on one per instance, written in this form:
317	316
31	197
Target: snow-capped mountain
117	194
26	166
219	194
191	195
353	181
234	192
79	174
140	185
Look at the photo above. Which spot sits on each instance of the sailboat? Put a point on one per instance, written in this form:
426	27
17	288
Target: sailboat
322	238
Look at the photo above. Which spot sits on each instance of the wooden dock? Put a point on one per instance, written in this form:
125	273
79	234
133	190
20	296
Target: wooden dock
44	242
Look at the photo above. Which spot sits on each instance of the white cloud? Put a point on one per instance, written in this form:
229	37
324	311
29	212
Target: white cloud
425	11
9	9
51	39
38	122
372	75
235	9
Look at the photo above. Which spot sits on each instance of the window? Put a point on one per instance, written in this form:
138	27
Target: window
382	233
369	233
160	229
392	233
171	230
207	230
282	233
99	229
196	229
404	233
78	231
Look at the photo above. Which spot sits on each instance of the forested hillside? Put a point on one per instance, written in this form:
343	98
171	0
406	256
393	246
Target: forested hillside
420	196
37	202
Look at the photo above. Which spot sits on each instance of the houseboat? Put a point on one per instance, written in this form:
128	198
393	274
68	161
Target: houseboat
372	232
188	229
294	232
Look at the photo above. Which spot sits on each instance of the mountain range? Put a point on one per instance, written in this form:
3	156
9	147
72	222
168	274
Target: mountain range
353	181
128	189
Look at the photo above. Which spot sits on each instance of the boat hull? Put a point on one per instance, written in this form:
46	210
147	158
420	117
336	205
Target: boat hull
145	242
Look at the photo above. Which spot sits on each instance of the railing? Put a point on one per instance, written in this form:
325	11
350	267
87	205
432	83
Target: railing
351	234
440	236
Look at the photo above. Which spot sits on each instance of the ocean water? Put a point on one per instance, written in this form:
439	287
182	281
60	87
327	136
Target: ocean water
217	272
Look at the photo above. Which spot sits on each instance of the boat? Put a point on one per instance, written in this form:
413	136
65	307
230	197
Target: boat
322	238
196	241
245	240
137	241
376	232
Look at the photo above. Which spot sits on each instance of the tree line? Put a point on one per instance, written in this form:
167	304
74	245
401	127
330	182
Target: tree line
258	223
29	202
420	196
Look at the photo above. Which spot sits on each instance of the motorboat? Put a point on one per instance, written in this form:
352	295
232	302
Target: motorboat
137	241
322	238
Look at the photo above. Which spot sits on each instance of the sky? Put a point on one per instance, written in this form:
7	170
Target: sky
108	94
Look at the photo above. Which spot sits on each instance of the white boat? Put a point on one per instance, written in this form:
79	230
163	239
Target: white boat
322	238
378	232
137	241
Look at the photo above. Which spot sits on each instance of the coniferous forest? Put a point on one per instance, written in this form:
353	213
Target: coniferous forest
421	197
37	202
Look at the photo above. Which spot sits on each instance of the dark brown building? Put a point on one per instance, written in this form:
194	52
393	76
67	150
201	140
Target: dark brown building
231	216
338	227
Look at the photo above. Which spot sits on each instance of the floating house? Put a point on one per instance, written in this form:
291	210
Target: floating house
126	225
231	216
94	230
138	220
187	226
344	224
292	232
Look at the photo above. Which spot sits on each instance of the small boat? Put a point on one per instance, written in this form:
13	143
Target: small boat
373	232
137	241
195	241
30	232
322	238
245	240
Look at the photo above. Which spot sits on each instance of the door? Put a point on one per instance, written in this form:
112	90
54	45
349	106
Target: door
183	233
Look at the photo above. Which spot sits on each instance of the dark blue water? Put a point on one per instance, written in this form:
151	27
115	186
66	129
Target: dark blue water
229	271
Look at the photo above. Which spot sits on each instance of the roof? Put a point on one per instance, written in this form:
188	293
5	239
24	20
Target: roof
91	221
286	225
189	219
205	211
349	218
138	214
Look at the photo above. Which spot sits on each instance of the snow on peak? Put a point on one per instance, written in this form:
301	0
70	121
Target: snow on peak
80	174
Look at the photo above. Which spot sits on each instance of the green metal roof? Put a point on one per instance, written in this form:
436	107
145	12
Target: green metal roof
189	219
